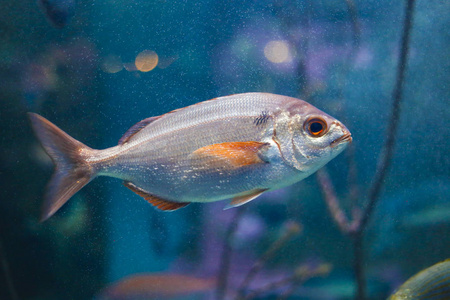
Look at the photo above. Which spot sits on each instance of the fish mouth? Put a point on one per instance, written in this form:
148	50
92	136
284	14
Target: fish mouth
346	138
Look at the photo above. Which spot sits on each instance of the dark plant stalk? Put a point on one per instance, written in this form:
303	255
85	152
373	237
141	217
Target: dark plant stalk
7	273
304	83
301	275
386	159
350	152
333	204
358	265
272	286
352	180
356	28
222	278
360	219
291	230
296	281
269	287
332	201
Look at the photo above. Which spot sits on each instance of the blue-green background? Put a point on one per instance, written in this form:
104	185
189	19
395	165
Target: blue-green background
217	48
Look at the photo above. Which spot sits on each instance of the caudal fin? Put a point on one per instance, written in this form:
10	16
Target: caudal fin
72	172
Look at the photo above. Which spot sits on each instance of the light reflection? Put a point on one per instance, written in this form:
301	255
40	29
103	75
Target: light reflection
146	60
112	64
278	52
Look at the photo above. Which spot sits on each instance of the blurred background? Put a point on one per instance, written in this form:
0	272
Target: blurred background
95	68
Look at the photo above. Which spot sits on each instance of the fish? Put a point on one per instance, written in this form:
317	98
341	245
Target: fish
58	12
156	286
433	283
233	147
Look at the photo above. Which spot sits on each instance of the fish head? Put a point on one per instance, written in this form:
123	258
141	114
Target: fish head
316	137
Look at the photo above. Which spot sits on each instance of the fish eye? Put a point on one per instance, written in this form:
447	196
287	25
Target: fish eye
315	127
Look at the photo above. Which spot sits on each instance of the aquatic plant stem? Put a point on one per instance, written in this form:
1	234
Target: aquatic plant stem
274	286
291	229
357	227
342	82
333	204
356	28
300	275
222	278
385	160
358	266
332	201
323	177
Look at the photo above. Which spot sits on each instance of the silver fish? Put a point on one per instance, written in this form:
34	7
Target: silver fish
236	147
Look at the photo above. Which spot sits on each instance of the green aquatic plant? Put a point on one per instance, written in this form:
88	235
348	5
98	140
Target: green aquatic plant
431	283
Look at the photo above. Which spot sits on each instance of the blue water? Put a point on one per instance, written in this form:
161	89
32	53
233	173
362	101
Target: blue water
83	75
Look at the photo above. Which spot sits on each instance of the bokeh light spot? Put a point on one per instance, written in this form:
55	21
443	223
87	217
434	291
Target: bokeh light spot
112	64
146	60
278	52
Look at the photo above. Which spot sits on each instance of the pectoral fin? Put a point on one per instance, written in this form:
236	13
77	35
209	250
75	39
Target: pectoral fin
157	202
240	200
234	155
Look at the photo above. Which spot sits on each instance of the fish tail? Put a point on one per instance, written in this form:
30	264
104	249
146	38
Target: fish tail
72	171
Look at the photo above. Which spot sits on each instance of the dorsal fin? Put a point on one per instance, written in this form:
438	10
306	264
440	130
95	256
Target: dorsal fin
157	202
136	128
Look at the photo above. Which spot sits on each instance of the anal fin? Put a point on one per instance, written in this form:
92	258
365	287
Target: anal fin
162	204
240	200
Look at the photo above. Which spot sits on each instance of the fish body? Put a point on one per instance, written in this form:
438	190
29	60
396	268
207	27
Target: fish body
237	147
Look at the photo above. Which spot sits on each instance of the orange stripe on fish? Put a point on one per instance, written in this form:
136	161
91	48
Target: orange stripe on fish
234	155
